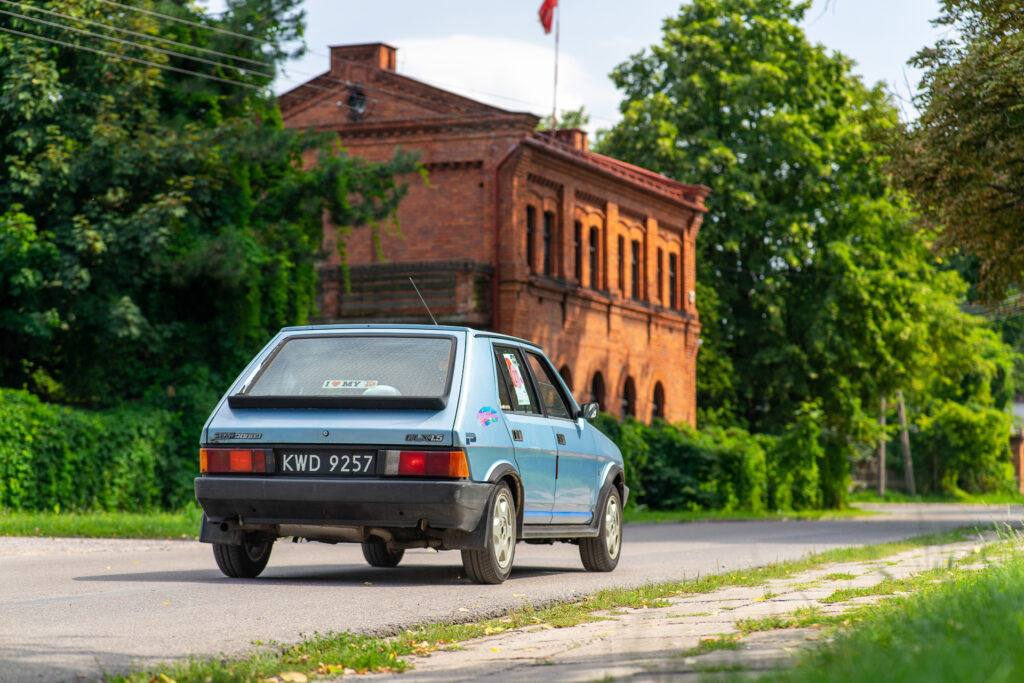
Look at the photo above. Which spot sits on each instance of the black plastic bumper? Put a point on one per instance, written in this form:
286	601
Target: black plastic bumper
456	505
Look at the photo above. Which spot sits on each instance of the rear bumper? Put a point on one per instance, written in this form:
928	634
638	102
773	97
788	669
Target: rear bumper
456	505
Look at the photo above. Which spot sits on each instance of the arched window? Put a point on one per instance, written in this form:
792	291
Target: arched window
595	264
577	251
548	236
531	235
597	389
629	398
658	402
566	374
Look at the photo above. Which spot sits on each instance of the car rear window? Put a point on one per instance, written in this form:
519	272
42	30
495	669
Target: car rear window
347	370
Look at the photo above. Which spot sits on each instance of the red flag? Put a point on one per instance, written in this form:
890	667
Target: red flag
547	13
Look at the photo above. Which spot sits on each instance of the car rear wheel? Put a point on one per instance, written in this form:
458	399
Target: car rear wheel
378	554
601	554
493	563
243	561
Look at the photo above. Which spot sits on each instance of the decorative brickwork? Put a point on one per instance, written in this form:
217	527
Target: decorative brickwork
525	232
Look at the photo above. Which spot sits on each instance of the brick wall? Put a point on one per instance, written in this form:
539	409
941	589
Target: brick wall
465	234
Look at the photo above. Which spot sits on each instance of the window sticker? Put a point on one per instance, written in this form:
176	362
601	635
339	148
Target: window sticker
517	379
487	416
349	383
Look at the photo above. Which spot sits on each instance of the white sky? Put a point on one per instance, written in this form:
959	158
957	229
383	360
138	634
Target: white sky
497	52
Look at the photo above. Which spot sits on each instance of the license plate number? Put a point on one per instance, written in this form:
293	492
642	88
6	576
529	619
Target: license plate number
328	464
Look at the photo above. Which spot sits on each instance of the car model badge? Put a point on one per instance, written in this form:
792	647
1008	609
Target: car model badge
429	438
222	436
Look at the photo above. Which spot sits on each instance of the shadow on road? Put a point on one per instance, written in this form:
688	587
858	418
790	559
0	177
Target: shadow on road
327	575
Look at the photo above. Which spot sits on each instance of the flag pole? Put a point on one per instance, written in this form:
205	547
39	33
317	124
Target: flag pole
554	98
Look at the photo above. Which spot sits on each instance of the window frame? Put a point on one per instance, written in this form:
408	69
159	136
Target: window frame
243	400
567	402
497	349
531	229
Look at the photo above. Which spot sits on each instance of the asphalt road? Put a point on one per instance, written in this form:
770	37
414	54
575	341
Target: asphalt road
72	608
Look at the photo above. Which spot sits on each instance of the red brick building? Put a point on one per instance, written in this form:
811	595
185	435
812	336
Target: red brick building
522	232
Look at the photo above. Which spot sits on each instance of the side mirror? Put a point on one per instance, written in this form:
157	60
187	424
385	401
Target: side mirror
588	411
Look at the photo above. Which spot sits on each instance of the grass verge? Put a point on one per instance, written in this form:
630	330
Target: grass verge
334	653
185	523
180	524
965	629
868	496
645	516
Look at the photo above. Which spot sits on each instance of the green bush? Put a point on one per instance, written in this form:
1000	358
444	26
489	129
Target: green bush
964	448
54	456
792	460
676	467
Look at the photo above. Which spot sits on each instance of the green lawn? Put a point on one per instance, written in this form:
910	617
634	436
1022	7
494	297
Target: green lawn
180	524
966	629
185	523
643	515
869	496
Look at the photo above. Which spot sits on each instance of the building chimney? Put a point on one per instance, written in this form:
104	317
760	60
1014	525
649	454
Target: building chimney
379	55
574	137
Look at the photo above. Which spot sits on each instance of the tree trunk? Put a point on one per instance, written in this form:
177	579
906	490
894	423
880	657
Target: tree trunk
908	464
881	450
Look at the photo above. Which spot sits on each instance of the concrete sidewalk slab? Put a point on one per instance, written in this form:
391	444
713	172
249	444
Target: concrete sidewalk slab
651	644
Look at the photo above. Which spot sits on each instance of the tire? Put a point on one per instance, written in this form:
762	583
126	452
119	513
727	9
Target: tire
493	563
244	561
378	554
601	554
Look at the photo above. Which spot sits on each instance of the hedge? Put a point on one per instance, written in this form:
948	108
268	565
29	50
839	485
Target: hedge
672	467
56	456
963	448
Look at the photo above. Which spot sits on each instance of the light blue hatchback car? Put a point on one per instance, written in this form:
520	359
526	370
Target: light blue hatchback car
406	436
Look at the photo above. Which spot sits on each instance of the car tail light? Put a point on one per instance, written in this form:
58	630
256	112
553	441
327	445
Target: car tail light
234	460
450	464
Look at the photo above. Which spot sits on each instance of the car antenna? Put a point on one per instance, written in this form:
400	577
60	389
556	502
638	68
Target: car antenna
422	299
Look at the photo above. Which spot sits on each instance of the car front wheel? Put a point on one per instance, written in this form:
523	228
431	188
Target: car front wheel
244	561
601	554
493	563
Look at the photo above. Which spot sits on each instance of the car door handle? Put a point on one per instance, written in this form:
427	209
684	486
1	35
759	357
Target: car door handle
517	435
561	439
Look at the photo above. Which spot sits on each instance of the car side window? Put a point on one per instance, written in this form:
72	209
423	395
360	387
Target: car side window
547	385
503	393
520	393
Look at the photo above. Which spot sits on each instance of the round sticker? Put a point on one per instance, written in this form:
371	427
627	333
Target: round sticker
487	416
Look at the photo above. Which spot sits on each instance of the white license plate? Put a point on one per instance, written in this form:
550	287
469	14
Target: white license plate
327	463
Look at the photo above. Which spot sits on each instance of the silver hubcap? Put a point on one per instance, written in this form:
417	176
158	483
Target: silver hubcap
612	527
503	530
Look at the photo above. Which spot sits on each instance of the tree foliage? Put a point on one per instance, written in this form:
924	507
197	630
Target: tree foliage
963	157
814	291
154	222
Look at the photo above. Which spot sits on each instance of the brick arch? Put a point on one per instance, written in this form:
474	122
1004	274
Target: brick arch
566	373
597	389
628	396
658	399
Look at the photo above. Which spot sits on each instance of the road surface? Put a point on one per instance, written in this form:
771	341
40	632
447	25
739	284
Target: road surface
72	608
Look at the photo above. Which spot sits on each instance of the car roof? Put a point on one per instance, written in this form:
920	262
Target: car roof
426	328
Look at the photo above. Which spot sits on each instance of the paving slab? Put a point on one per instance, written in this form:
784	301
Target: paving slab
654	644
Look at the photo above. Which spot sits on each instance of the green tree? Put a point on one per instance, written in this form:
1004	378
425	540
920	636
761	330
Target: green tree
822	295
569	118
962	157
154	222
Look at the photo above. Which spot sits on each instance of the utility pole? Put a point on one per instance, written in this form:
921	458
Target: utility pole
881	449
908	464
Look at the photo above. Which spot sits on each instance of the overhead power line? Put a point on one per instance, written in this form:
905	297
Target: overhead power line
122	41
138	34
129	59
196	24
